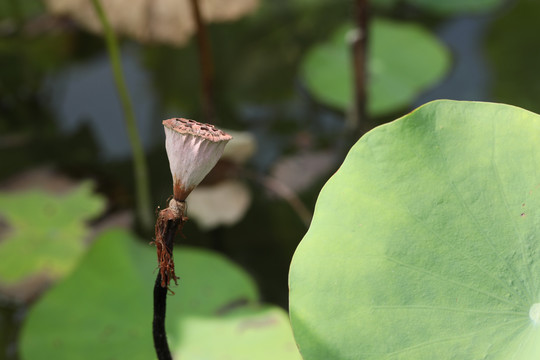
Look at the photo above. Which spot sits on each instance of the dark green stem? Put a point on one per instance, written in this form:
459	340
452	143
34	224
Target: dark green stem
207	66
167	225
140	168
360	58
158	325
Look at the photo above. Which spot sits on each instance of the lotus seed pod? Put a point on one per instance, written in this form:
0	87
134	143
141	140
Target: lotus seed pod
193	150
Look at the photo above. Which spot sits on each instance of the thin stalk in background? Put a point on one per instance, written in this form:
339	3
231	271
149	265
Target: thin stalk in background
360	59
139	161
207	66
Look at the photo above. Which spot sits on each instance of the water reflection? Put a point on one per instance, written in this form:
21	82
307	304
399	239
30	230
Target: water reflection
84	93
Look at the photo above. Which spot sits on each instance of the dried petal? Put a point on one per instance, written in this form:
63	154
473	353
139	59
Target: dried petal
193	150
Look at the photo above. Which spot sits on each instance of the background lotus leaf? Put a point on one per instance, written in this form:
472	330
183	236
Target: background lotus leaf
45	231
438	7
20	10
114	285
448	7
242	333
165	21
451	7
424	245
404	59
221	204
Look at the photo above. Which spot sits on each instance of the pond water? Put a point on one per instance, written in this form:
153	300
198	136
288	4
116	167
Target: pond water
59	108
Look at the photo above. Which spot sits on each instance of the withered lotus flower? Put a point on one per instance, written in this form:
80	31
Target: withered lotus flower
193	150
162	21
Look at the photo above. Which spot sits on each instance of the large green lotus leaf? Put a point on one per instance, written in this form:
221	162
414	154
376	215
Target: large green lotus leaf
404	59
46	231
448	7
103	310
424	244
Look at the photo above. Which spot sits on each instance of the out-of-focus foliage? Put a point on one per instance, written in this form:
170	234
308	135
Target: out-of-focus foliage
221	204
165	21
447	7
404	59
19	10
115	281
45	231
424	245
245	334
438	7
513	57
30	58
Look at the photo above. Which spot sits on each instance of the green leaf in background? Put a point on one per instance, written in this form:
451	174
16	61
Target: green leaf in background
425	244
448	7
46	231
20	10
247	334
404	59
104	309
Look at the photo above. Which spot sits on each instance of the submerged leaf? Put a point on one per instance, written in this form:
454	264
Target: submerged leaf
241	148
301	170
224	203
424	245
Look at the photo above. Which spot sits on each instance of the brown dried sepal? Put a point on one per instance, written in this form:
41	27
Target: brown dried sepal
180	192
169	221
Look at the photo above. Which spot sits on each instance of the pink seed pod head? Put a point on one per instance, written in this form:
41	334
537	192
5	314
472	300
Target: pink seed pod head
193	150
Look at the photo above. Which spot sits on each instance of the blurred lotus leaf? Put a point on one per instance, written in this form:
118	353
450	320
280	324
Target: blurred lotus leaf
107	300
243	333
404	59
164	21
241	148
447	7
300	171
45	232
224	203
19	10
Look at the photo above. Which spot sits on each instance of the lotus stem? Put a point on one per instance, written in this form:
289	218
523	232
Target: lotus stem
169	221
193	150
140	169
158	325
